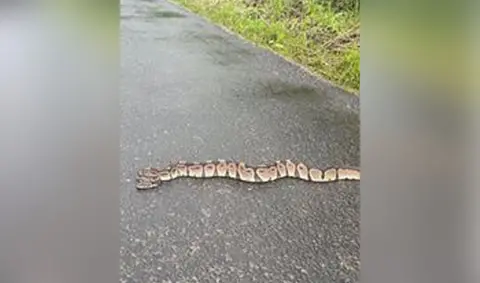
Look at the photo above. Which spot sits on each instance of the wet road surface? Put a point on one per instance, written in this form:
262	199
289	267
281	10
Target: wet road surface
191	91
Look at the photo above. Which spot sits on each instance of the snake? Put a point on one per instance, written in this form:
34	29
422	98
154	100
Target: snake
152	177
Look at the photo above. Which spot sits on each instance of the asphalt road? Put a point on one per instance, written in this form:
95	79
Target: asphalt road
194	92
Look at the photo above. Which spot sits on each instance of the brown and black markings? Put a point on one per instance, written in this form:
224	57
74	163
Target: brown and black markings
150	177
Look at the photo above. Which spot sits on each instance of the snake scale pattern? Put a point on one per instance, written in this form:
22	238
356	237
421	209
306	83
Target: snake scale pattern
151	177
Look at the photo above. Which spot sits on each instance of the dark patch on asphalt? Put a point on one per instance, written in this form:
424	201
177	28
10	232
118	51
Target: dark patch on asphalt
225	58
159	13
208	38
220	50
286	90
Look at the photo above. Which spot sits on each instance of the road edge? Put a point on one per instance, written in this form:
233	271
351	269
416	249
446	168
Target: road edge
291	61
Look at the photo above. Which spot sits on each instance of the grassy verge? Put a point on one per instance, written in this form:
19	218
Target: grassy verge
313	33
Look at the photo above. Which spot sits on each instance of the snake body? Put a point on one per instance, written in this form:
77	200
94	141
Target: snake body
151	177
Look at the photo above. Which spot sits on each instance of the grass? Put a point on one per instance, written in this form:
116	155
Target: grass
313	33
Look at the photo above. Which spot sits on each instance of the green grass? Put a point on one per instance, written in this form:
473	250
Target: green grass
323	38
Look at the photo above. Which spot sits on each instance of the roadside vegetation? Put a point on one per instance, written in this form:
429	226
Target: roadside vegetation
322	35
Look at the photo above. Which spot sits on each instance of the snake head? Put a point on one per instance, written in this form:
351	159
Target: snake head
148	178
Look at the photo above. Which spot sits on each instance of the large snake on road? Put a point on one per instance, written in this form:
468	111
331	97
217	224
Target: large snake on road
150	177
